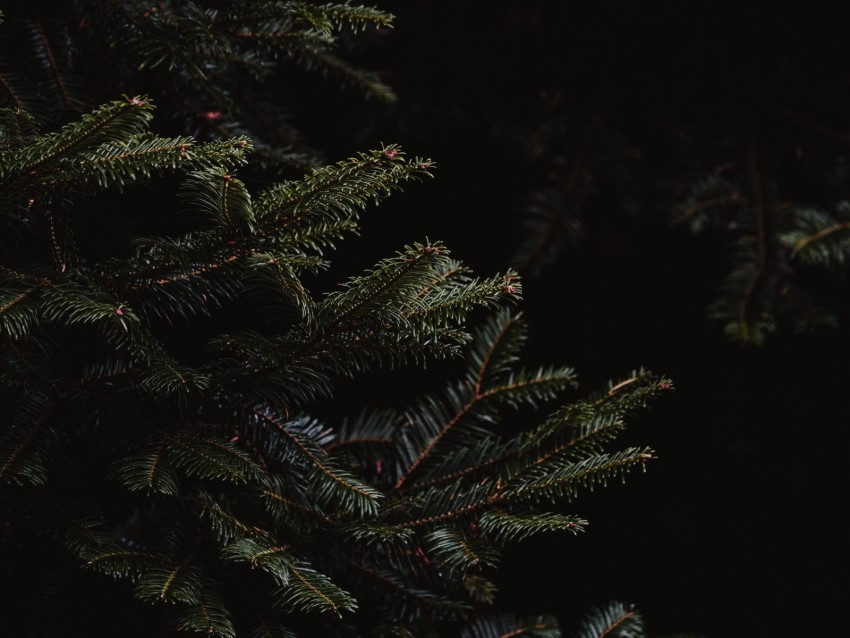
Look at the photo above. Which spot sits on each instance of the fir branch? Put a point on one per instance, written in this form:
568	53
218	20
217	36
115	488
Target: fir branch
801	244
213	439
308	214
462	464
278	275
367	322
434	440
335	194
311	47
69	303
267	629
307	590
460	293
110	122
219	198
314	57
330	17
633	392
574	431
459	552
403	596
281	506
123	562
177	583
207	458
495	345
586	437
560	479
148	471
532	387
360	534
819	237
17	128
275	559
208	615
613	620
224	525
439	505
344	489
166	376
18	310
115	165
510	526
493	336
23	457
504	625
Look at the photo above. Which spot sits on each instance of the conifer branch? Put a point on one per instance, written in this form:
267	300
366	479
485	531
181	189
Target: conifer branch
269	493
179	582
433	442
484	495
801	244
324	599
505	625
18	436
208	615
612	620
491	349
123	562
514	389
401	588
386	278
503	526
98	124
219	455
224	524
365	498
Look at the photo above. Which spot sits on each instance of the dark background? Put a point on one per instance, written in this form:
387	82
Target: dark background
734	530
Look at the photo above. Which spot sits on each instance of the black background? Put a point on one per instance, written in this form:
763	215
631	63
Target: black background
735	529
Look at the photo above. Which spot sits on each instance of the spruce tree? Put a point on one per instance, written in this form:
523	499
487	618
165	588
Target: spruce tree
170	459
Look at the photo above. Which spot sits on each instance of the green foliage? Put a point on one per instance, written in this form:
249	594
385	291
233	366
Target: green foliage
818	237
214	67
168	440
208	616
508	625
616	619
222	458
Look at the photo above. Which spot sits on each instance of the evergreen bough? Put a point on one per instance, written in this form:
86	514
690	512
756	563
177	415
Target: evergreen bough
167	462
209	485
